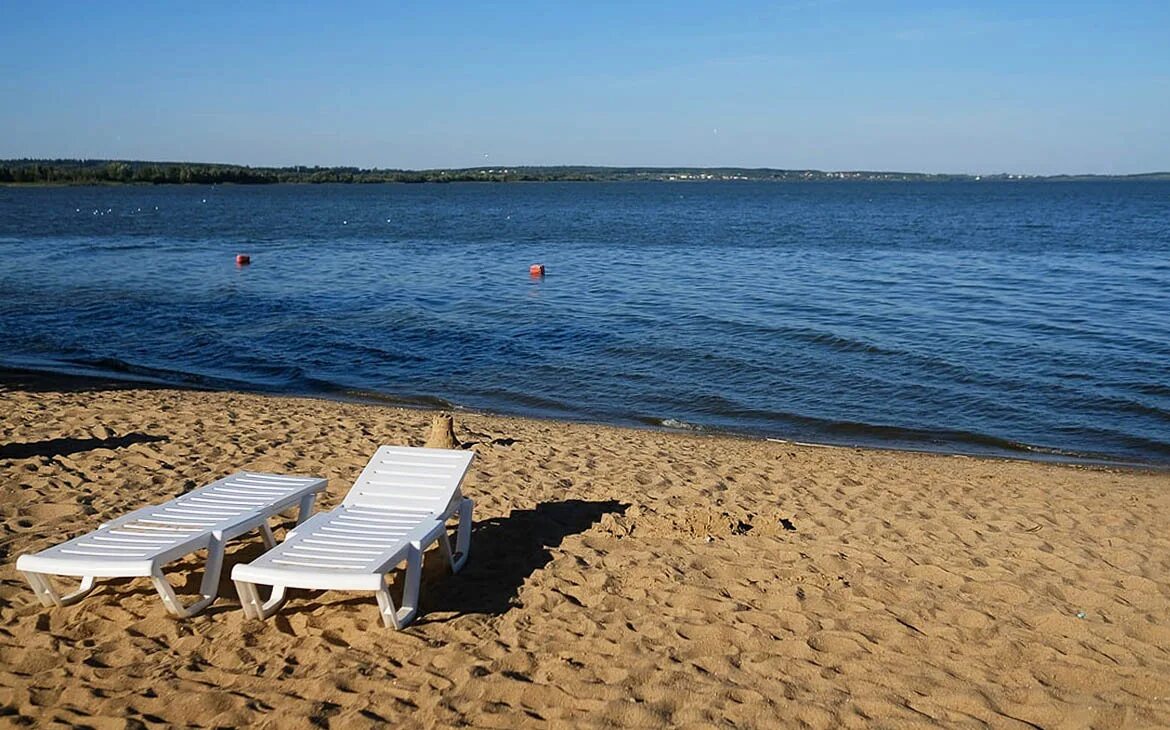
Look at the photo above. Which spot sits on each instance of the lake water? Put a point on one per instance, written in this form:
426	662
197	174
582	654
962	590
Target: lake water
1009	318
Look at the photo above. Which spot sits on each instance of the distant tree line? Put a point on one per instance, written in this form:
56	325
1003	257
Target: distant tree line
98	172
105	172
77	172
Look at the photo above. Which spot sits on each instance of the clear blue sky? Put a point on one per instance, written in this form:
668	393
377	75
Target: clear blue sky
1035	87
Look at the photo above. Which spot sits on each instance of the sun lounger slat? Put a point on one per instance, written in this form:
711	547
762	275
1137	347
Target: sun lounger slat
403	521
313	546
349	544
412	513
231	491
216	501
201	511
394	538
302	554
360	520
421	504
404	473
316	565
104	553
236	502
253	481
349	536
199	525
422	456
424	489
110	537
330	538
137	529
362	531
279	479
187	530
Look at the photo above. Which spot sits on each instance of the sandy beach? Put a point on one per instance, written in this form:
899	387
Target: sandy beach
618	578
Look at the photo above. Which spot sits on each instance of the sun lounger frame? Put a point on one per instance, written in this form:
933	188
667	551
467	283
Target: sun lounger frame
397	509
142	542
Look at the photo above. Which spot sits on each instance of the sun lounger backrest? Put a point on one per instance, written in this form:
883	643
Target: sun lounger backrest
400	477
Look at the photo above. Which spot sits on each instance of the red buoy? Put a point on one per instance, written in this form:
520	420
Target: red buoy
536	271
243	259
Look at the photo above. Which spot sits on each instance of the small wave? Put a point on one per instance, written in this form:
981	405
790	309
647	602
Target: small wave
121	245
1121	404
676	424
831	340
960	442
539	405
112	366
112	369
810	429
376	398
937	437
122	370
848	344
1157	389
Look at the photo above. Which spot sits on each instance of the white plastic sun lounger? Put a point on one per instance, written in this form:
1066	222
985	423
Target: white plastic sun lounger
397	508
142	542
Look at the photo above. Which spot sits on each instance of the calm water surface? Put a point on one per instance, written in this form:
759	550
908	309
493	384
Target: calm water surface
993	318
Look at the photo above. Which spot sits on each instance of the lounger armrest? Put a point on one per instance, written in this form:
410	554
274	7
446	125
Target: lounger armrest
84	568
426	534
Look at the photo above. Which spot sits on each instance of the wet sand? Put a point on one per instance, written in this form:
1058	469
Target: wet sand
618	578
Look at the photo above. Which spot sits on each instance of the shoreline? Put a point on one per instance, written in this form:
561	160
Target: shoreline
49	379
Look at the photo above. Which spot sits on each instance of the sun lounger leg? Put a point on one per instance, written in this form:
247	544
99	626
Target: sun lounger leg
445	548
249	598
251	603
400	618
267	536
171	601
43	589
87	585
457	556
48	595
275	601
208	587
305	511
